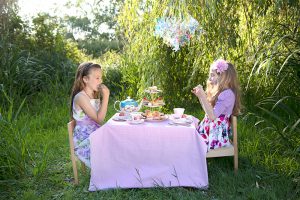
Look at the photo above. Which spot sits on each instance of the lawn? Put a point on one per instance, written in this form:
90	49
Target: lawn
263	174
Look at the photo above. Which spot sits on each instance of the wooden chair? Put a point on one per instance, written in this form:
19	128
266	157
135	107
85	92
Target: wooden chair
71	126
228	151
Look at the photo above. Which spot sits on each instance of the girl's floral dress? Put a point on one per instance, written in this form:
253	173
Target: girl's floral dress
215	133
84	127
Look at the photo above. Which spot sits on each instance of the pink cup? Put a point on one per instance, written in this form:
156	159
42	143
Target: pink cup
178	112
136	116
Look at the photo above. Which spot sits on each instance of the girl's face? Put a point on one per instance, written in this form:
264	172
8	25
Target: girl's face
94	79
213	77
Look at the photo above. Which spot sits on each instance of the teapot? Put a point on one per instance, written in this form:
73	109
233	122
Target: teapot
128	105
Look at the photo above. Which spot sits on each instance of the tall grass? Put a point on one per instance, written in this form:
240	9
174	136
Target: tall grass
275	76
21	73
14	150
23	79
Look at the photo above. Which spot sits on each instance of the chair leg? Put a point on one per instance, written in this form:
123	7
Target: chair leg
236	160
235	143
74	169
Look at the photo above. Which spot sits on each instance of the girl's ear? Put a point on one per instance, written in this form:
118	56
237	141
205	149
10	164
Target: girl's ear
85	79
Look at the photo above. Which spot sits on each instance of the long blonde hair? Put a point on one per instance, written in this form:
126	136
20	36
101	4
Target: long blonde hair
84	69
226	80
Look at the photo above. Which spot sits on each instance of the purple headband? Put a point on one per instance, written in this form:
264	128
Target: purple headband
220	65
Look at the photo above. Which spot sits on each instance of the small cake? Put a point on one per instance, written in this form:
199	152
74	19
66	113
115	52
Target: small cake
158	101
145	101
156	115
147	114
122	114
153	89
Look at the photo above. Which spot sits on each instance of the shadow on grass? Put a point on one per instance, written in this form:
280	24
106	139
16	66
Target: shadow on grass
253	180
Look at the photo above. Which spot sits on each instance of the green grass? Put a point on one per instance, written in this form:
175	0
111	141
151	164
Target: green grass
263	173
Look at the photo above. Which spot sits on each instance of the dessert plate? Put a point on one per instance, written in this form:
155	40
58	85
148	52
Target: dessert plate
120	118
150	105
181	121
136	121
153	91
162	118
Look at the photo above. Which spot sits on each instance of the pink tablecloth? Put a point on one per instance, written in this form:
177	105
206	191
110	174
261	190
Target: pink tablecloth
151	154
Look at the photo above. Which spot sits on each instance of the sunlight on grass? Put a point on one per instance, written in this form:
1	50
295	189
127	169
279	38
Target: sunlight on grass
262	174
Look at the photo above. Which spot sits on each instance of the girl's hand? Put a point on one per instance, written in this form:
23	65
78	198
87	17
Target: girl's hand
104	91
198	91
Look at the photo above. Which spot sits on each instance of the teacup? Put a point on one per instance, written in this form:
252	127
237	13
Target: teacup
178	112
122	116
136	116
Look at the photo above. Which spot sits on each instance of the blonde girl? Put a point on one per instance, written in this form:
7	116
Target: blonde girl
86	107
220	101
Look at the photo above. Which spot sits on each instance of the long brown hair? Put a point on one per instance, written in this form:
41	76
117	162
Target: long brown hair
226	80
84	69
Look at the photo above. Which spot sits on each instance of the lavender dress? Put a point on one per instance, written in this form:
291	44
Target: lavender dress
84	127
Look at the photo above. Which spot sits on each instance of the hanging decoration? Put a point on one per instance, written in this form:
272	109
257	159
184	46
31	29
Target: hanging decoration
176	31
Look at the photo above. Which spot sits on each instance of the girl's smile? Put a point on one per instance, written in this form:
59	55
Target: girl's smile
213	77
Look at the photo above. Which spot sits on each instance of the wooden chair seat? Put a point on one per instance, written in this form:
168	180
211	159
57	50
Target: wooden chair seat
228	151
221	152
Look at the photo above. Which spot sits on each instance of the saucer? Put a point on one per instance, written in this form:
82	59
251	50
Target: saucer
136	121
182	121
120	118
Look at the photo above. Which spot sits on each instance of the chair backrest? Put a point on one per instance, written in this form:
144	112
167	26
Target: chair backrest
233	122
71	126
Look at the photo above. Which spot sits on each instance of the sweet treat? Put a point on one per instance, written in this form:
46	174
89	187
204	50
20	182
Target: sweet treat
153	88
145	101
148	113
155	115
153	102
158	101
122	114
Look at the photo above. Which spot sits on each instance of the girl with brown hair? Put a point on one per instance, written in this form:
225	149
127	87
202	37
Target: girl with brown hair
86	107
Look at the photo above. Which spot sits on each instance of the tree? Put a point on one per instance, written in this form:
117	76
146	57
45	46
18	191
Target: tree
94	28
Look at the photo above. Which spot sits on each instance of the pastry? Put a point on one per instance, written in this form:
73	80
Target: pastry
152	89
158	101
153	115
145	101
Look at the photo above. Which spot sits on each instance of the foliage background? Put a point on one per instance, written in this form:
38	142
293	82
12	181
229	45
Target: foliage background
261	38
37	65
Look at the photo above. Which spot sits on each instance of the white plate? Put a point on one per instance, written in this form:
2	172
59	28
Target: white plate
120	118
153	91
136	121
155	105
182	121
